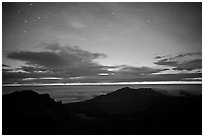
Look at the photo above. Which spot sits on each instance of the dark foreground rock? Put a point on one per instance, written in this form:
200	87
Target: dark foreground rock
125	111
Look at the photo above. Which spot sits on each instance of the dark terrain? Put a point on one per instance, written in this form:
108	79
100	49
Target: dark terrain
125	111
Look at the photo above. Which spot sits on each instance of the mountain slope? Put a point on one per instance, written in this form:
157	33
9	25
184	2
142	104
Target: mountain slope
145	111
125	111
127	100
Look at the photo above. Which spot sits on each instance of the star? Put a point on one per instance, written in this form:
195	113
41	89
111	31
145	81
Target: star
25	31
113	13
39	18
25	21
31	4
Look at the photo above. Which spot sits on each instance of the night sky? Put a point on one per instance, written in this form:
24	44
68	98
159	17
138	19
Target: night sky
101	42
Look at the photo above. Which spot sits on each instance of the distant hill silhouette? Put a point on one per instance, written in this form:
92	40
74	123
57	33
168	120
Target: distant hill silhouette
125	111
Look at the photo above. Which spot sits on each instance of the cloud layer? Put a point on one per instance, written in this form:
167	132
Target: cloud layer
188	61
67	64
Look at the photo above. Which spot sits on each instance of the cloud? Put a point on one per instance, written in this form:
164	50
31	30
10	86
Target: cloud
9	77
174	77
166	62
188	54
77	24
187	61
68	64
32	69
130	70
46	59
158	57
60	61
199	79
191	65
3	65
57	56
74	51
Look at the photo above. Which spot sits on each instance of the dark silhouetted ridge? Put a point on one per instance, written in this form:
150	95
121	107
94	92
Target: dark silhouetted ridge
28	98
145	111
125	111
28	112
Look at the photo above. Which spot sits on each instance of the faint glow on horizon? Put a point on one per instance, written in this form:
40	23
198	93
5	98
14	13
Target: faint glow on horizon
17	71
51	78
171	71
42	71
30	78
76	78
103	74
47	78
192	79
106	83
114	69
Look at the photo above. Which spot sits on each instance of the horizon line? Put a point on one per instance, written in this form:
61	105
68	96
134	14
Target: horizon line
106	83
